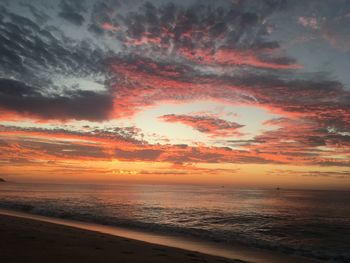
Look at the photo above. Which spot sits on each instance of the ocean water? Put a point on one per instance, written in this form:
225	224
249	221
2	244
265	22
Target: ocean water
307	223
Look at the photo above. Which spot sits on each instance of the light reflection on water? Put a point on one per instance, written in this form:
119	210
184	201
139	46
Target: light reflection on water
314	224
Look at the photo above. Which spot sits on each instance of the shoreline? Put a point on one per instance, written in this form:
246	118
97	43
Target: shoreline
210	249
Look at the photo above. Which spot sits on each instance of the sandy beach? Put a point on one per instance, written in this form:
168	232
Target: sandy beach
26	240
32	238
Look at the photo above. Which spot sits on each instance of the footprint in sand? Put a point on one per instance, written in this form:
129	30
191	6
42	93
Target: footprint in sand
191	255
159	249
162	255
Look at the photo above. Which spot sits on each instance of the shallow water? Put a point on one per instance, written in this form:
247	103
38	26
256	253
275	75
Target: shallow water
313	224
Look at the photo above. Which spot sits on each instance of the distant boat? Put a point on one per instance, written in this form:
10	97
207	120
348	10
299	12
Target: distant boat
277	188
2	180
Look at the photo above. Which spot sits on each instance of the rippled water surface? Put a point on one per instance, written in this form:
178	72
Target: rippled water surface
313	224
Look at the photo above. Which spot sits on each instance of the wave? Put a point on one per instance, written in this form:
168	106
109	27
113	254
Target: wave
200	230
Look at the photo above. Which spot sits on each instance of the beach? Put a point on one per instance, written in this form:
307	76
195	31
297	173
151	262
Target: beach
262	226
27	240
33	238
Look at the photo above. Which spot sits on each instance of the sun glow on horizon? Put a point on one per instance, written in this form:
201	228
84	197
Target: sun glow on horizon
216	92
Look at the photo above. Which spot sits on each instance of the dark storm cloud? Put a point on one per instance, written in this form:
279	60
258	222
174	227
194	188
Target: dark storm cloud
20	98
32	56
72	11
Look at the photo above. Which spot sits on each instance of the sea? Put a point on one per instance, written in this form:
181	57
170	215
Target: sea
306	223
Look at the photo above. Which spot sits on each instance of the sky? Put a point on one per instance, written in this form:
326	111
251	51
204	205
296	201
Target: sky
238	92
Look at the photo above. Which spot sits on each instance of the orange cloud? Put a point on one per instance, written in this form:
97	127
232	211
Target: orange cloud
231	57
214	127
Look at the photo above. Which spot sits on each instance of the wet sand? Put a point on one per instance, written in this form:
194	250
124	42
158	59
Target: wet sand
31	238
26	240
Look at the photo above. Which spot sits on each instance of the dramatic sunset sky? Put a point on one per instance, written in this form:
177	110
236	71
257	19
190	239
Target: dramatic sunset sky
239	92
